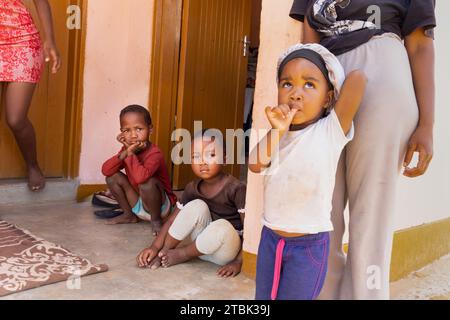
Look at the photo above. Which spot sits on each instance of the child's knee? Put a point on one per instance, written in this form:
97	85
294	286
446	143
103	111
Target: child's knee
224	229
222	224
196	210
197	207
115	179
152	185
222	233
192	219
219	241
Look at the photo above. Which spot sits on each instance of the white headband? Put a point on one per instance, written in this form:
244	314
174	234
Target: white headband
335	70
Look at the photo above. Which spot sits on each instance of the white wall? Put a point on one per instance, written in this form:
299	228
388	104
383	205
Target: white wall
421	200
117	73
278	32
427	198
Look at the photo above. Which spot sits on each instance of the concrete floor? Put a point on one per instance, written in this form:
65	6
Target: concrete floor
74	226
429	283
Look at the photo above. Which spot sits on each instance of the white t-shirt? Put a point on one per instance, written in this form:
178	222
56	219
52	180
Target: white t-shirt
299	184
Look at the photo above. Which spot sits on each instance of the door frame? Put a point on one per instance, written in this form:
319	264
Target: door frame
74	100
171	18
165	66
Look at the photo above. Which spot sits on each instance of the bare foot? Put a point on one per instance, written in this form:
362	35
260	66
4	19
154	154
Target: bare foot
173	257
155	263
36	180
156	226
230	270
123	219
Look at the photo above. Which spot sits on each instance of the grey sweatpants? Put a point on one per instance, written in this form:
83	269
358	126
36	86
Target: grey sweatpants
218	241
368	172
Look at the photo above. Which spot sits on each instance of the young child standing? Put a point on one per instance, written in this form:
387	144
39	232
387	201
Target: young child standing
144	190
210	214
310	127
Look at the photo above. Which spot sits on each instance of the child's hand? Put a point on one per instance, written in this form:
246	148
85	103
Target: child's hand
280	117
230	270
122	140
146	256
136	147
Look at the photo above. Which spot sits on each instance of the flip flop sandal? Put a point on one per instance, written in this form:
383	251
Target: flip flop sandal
106	193
108	214
104	199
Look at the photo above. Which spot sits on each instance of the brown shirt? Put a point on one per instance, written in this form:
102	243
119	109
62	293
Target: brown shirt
225	204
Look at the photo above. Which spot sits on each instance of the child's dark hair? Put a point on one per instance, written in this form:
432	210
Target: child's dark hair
138	109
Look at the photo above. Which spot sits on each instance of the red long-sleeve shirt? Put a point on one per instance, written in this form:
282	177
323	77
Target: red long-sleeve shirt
140	168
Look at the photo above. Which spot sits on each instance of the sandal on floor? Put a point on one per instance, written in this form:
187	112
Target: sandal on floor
104	199
108	214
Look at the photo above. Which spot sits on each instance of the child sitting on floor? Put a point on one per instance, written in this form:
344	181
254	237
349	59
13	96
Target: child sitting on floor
210	214
144	190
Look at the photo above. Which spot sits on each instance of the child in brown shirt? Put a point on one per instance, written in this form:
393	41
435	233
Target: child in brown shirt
210	214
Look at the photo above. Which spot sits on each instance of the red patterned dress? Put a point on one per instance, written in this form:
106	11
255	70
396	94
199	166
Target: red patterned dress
21	54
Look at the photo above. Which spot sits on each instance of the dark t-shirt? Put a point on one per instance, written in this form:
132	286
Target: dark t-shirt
226	204
356	21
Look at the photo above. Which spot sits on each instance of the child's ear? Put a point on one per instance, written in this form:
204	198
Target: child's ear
330	96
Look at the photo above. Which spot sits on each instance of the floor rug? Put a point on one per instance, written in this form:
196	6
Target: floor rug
27	262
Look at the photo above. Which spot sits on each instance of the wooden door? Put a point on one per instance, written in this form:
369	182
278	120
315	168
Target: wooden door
48	109
213	69
164	73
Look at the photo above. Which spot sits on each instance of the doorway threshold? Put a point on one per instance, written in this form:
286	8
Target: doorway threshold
16	192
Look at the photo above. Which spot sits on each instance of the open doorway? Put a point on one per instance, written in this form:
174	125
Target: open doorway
251	78
200	70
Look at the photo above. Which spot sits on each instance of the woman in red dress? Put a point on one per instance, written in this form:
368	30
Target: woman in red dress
21	62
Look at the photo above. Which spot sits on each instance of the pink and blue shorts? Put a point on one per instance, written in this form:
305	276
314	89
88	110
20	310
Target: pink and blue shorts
291	268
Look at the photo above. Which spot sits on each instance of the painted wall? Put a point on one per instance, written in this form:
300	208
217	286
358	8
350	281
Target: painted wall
428	198
278	32
117	73
423	200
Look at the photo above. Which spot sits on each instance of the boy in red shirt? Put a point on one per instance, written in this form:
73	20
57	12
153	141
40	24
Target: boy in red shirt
144	190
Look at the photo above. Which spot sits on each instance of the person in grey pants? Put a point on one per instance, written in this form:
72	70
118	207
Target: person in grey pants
392	43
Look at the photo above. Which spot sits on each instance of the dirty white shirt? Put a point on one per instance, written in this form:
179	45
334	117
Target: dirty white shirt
298	186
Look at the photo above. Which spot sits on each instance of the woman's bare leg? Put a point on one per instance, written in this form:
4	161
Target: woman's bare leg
18	98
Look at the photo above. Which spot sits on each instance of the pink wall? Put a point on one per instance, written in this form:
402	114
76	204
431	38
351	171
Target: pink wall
278	32
117	73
